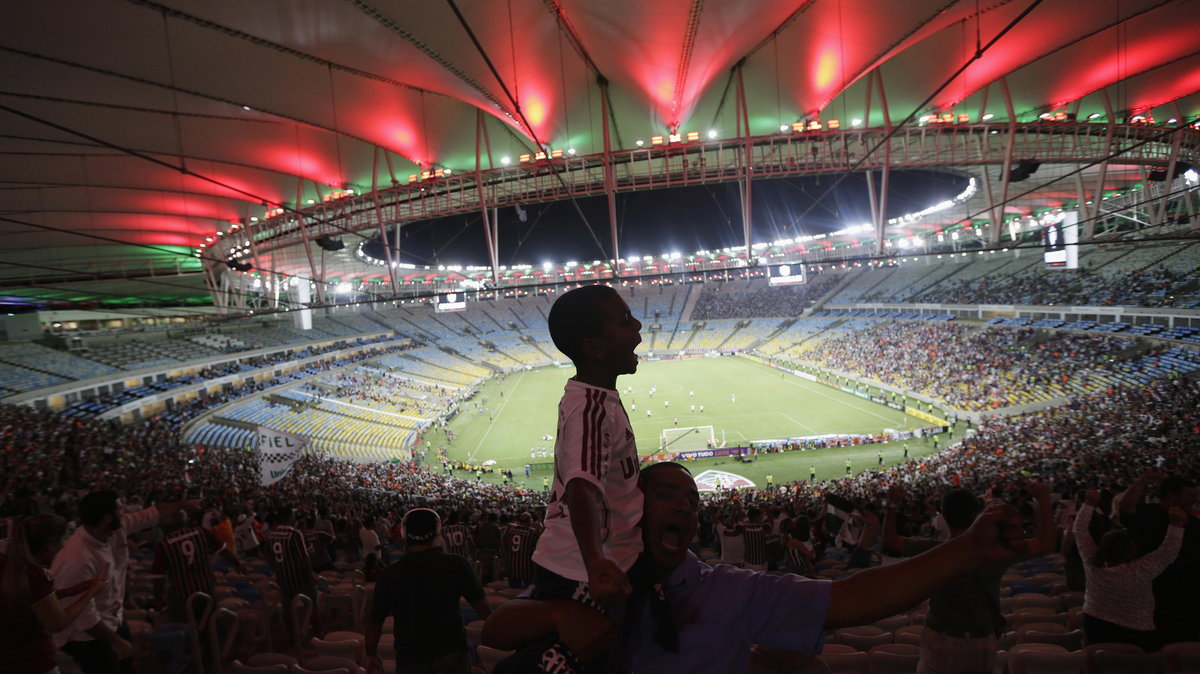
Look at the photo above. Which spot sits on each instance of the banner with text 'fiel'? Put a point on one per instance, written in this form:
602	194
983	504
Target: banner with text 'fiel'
277	452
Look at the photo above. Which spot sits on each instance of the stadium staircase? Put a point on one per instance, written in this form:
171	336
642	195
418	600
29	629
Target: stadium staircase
741	325
837	287
696	329
538	345
932	281
512	325
495	369
784	325
492	348
690	304
377	318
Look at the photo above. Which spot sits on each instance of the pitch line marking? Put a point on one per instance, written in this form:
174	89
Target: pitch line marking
847	403
471	455
797	422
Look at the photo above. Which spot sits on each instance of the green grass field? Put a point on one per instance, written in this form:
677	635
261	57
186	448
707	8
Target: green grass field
743	400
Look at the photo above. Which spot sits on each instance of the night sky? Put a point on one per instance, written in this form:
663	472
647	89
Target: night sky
662	221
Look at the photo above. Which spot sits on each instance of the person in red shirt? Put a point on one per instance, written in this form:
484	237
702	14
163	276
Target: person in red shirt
29	608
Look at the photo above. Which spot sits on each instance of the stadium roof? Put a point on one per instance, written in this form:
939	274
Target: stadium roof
131	130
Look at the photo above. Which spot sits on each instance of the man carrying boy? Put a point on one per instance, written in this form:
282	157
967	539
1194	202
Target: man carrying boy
591	537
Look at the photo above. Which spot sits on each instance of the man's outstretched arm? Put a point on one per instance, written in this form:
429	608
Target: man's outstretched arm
877	593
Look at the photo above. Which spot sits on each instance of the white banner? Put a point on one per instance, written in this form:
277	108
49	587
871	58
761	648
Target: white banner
277	451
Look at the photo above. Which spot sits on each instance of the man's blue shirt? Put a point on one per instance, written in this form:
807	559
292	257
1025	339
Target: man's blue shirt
721	611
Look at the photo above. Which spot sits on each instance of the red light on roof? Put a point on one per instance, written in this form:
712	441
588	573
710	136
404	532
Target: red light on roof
835	124
656	140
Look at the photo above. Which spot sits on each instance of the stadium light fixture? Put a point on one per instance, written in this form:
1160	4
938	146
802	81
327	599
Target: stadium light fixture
506	160
1092	116
988	117
712	134
856	122
639	142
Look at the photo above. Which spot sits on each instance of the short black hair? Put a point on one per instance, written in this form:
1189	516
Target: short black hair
649	470
960	508
94	506
576	316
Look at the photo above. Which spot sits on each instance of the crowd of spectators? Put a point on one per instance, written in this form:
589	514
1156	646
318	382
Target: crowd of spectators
966	368
1108	438
103	403
371	387
1151	287
765	301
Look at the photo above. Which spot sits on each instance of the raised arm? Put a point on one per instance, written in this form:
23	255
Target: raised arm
1047	534
1157	561
892	541
886	590
1137	490
1083	537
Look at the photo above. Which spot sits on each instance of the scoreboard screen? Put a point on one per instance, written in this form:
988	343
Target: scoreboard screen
1059	239
786	274
451	302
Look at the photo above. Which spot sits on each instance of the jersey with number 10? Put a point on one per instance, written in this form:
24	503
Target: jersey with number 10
458	540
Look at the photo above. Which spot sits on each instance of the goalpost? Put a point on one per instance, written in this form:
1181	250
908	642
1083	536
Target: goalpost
681	439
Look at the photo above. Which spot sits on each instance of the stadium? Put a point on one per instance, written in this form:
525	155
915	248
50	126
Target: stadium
937	245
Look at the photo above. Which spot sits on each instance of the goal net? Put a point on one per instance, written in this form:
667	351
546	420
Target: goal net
687	438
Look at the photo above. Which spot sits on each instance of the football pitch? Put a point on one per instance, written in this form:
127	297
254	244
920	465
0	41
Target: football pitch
741	399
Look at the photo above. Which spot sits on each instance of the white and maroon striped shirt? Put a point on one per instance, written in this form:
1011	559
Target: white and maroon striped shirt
287	555
517	542
755	536
595	443
458	540
184	557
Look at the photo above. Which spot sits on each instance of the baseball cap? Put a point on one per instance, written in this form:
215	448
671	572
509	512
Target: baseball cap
421	525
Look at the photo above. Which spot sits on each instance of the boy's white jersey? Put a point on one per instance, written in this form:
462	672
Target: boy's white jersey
595	443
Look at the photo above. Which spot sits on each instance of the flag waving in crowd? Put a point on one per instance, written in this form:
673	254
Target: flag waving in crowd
277	452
